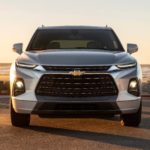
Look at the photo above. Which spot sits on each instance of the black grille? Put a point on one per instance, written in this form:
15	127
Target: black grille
81	68
63	85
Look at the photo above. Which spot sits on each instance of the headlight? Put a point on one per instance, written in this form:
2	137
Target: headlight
124	66
24	65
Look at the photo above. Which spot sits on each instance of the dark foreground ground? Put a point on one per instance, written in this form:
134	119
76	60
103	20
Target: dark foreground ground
74	133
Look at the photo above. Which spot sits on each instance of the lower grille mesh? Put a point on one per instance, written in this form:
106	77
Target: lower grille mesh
61	85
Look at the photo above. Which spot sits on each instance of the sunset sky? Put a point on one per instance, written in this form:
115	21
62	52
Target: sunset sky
129	18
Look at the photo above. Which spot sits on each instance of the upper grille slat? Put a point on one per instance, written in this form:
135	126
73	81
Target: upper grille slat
66	85
81	68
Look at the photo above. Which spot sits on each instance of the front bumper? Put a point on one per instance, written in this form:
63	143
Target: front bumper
69	106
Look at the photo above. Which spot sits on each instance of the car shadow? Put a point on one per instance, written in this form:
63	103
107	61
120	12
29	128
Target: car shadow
120	140
93	136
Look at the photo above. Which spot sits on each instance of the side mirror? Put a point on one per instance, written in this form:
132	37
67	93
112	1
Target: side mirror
18	48
132	48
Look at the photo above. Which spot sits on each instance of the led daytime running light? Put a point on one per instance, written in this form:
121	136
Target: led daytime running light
23	65
126	66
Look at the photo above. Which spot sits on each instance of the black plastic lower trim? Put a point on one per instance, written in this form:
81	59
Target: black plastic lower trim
76	108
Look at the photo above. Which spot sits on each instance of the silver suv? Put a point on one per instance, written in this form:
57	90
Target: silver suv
70	70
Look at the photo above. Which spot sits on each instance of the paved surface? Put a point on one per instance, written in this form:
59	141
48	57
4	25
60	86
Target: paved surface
74	133
4	101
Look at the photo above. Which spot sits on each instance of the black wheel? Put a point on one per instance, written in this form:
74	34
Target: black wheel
17	119
132	119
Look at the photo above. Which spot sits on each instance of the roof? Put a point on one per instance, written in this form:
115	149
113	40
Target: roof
73	27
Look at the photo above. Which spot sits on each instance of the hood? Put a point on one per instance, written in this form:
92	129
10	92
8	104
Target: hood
75	57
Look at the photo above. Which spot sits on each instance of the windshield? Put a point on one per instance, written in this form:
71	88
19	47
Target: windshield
74	39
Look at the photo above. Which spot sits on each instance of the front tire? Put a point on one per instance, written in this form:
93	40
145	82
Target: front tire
17	119
133	119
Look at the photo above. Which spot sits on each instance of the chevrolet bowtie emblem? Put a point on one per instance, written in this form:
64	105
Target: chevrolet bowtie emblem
77	73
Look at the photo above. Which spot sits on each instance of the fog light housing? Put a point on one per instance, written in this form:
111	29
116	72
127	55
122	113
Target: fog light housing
133	87
19	87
